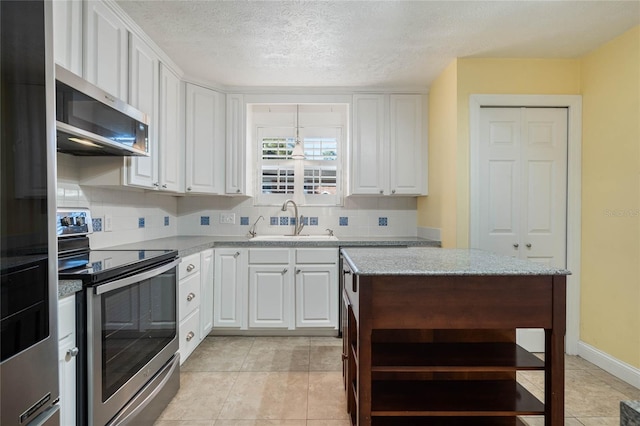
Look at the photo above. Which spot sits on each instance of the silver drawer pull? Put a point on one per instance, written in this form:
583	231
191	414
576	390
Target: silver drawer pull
72	352
191	267
190	335
190	297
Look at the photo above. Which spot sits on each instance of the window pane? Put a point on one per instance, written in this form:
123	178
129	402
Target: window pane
277	148
320	180
318	148
277	180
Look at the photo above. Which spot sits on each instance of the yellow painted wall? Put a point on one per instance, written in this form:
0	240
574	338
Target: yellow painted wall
437	210
610	278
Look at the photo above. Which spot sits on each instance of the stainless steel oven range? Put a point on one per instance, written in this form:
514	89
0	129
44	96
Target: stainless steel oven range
128	366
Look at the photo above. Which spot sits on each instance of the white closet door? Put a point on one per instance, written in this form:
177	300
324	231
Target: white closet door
522	202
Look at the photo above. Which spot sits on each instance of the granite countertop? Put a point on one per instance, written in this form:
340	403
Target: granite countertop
187	245
437	261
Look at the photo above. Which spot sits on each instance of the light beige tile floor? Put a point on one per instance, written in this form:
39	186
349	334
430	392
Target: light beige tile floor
297	381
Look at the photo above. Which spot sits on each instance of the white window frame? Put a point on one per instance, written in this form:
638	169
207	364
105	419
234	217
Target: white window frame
323	129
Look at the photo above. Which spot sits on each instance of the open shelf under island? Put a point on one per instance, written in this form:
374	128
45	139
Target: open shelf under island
429	337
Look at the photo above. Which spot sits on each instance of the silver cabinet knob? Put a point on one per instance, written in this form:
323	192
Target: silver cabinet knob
516	245
190	297
164	185
236	254
190	335
529	245
191	267
381	191
188	188
284	271
393	191
72	353
298	271
238	190
156	184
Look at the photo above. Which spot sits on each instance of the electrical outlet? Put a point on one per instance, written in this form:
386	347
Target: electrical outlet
228	218
108	223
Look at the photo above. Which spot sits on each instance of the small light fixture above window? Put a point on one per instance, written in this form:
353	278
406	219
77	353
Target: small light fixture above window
298	151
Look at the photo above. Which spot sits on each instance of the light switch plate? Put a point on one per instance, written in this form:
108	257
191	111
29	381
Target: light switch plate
228	218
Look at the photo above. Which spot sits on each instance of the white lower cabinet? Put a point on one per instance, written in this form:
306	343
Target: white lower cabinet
316	295
206	291
287	284
230	288
67	352
189	305
270	285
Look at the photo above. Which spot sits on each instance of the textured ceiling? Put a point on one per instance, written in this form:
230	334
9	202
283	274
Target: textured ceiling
383	44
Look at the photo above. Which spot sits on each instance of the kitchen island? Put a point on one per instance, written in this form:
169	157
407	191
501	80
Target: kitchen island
429	337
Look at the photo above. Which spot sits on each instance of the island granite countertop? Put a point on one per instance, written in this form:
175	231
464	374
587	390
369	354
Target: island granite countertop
438	262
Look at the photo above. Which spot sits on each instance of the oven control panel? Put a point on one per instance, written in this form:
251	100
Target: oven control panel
73	222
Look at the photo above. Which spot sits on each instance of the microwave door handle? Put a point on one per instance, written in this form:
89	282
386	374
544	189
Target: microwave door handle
124	282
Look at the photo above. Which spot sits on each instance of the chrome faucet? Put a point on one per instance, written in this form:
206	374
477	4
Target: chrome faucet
252	229
299	220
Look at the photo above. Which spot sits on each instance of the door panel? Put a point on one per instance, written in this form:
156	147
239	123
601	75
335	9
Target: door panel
522	163
269	301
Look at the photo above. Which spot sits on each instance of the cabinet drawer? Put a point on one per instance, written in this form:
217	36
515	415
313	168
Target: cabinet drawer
269	255
317	255
189	335
189	265
189	295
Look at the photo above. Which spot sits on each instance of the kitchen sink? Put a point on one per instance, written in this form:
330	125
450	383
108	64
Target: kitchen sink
294	238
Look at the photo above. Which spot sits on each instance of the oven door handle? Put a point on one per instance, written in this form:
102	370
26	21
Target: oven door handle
124	282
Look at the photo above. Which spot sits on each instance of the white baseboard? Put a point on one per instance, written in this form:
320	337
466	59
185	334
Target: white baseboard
620	369
429	233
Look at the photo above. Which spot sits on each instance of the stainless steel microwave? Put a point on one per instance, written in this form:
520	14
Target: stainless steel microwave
91	122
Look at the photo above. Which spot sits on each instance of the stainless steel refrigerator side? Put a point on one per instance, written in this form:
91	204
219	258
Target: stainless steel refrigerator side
31	377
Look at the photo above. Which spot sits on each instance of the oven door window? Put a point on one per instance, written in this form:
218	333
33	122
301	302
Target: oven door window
138	321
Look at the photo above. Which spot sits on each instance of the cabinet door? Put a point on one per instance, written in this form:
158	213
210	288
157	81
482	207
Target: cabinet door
235	152
405	142
269	296
206	292
316	289
105	49
143	91
67	351
67	34
368	166
229	288
205	140
170	139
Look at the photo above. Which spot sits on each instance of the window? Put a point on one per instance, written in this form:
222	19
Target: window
316	180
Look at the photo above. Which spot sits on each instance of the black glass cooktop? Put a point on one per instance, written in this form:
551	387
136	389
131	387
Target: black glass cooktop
99	265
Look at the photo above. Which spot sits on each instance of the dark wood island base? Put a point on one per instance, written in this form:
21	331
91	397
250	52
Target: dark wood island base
441	349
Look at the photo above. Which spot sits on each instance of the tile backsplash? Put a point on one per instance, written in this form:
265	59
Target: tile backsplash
370	216
123	215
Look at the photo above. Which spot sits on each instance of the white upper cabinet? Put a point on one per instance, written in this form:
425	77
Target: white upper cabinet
144	72
67	34
205	141
170	140
105	49
235	153
368	171
388	149
406	161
